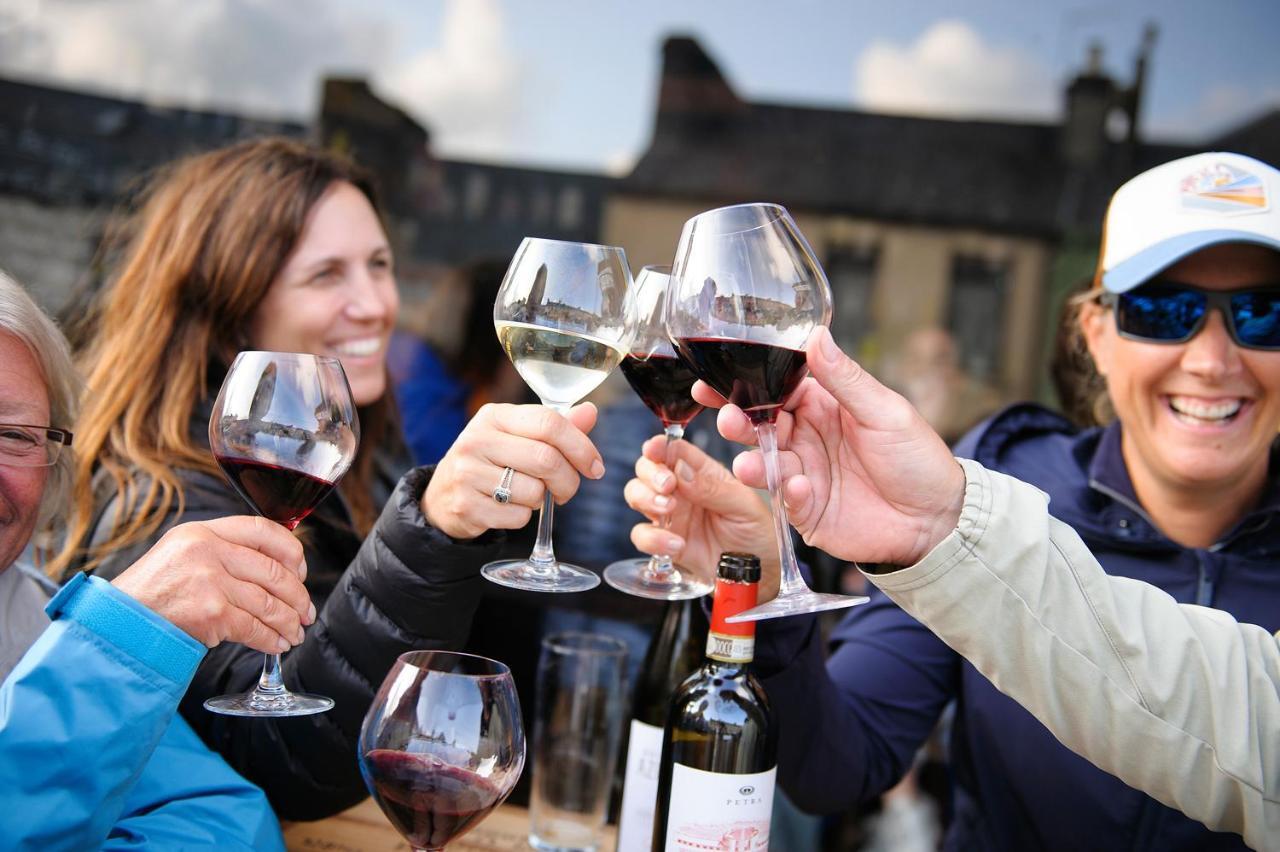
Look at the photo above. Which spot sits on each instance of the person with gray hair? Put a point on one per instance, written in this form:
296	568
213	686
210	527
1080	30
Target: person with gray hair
92	751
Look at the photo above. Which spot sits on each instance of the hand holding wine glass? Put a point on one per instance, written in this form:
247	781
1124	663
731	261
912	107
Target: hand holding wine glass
748	293
563	317
664	382
708	512
547	452
231	579
854	451
442	744
284	430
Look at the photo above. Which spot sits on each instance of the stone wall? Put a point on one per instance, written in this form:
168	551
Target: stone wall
48	249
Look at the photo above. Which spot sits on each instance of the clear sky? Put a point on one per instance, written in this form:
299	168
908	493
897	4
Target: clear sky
572	83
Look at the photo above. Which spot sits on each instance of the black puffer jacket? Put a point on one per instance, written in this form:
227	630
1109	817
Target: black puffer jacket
408	586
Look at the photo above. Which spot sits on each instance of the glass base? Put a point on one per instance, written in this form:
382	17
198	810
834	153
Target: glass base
633	577
257	703
797	603
523	574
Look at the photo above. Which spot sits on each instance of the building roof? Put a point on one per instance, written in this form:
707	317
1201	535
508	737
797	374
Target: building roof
60	146
1005	176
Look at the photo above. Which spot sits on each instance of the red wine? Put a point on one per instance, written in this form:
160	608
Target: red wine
664	383
284	495
756	377
430	803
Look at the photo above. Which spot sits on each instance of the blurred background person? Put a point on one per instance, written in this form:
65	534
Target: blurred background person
927	371
446	362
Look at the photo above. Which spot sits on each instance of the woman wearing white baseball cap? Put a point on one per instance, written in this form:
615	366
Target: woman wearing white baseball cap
1178	490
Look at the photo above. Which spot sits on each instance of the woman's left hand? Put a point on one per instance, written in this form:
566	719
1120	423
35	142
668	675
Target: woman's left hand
547	450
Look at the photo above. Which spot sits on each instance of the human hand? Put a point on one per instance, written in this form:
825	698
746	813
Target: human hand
232	579
710	512
546	449
863	476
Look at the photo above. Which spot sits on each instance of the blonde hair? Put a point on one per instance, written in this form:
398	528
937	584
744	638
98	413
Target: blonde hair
22	317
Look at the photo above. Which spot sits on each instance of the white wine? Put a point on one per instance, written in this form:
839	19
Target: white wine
719	749
561	367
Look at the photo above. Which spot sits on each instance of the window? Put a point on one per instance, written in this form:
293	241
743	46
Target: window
477	195
976	315
570	214
851	273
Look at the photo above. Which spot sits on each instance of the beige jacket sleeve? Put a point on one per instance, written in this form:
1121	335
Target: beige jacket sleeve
1179	701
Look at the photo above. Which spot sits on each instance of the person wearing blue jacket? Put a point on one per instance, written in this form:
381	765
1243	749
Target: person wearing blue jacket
92	751
1178	490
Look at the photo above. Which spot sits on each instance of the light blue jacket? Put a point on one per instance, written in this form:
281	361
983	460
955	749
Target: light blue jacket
92	752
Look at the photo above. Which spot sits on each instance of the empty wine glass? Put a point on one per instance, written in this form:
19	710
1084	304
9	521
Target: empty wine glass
284	430
747	292
664	382
442	744
563	317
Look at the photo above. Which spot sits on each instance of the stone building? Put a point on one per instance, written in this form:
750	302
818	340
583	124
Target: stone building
976	227
69	159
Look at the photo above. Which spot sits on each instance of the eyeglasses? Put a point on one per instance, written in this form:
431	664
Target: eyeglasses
1169	312
31	446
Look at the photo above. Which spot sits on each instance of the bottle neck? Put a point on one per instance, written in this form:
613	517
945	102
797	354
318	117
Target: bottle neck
732	644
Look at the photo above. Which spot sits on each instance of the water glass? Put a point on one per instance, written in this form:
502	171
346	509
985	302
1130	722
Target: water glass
577	730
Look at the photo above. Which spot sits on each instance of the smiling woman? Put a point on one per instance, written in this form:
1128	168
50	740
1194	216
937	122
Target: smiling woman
275	245
1181	489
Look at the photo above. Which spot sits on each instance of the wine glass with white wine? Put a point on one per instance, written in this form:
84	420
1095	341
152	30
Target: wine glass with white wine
563	317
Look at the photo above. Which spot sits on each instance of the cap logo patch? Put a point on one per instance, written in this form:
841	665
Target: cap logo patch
1221	188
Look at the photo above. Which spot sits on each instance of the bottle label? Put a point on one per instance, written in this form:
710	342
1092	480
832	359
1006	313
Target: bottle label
732	643
640	788
710	810
731	649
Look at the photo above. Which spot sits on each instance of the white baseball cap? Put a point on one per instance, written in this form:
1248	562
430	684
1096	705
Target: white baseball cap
1175	209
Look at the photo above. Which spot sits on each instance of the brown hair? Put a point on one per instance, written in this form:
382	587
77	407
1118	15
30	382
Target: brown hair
1081	389
210	238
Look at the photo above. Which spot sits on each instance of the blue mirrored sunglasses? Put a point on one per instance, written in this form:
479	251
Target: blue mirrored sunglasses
1169	312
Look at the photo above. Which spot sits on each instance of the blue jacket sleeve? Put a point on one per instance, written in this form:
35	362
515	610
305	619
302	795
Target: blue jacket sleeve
850	725
90	753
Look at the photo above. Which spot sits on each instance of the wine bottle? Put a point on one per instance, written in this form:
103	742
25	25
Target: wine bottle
719	749
675	652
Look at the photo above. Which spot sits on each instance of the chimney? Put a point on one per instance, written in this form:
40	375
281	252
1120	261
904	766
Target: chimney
381	137
1090	98
694	97
1132	101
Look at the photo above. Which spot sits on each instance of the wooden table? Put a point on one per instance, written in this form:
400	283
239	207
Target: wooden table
364	829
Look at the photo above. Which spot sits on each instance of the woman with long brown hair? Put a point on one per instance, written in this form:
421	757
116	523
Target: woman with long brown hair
276	245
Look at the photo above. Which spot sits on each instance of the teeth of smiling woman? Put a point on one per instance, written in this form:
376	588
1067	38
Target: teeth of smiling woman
1190	407
358	348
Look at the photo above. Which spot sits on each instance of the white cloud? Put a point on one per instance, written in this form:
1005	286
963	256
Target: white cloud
951	71
256	56
267	58
469	88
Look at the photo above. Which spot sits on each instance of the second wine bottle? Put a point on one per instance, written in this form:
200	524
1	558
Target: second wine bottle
719	751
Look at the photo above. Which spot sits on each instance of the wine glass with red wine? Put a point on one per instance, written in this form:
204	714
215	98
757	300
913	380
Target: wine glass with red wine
664	382
284	430
442	745
747	292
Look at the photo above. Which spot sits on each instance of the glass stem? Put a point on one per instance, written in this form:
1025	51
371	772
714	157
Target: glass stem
791	582
660	567
542	561
271	682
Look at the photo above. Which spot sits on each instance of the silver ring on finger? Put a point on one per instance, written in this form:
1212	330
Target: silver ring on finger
502	494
